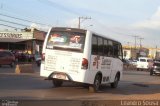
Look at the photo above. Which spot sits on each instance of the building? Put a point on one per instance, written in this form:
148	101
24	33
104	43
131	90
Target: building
154	53
130	52
28	41
134	53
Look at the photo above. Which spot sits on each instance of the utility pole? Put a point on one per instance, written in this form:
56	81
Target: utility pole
79	20
140	41
156	55
135	41
135	51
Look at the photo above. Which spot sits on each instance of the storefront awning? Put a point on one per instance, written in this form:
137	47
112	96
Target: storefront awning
15	36
11	40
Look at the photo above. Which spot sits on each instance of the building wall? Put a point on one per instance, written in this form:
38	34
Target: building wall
143	52
39	37
22	41
127	54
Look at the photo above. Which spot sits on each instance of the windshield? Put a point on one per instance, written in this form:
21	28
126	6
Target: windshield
143	60
70	41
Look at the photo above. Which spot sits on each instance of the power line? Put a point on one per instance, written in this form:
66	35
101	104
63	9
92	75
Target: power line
59	6
13	22
10	26
23	19
109	28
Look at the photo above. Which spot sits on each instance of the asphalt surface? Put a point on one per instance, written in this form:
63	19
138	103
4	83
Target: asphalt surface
136	85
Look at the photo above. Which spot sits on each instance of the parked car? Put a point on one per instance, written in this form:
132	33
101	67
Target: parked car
126	63
23	57
155	68
134	62
7	58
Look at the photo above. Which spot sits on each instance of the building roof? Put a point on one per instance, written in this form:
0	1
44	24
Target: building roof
12	40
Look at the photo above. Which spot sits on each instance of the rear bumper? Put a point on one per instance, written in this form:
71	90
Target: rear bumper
70	76
51	76
142	67
156	71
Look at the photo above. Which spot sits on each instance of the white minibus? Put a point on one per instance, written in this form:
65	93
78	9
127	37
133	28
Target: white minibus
81	56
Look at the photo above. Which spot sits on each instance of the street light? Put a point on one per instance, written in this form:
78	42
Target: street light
79	20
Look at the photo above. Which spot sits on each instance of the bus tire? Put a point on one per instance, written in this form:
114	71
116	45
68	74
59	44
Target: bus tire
57	82
116	80
95	87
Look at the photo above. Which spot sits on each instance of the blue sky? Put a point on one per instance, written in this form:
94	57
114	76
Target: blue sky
119	19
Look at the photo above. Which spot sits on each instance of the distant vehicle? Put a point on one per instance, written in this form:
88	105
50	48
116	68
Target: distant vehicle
81	56
126	62
7	58
155	68
23	57
134	62
144	63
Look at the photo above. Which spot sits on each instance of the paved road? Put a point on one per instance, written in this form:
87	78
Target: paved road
134	86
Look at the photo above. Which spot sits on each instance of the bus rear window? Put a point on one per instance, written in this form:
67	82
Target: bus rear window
70	41
143	60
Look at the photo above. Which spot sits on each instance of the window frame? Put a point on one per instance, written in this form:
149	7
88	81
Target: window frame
107	44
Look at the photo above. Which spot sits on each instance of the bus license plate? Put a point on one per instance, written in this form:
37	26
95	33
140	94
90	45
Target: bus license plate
59	76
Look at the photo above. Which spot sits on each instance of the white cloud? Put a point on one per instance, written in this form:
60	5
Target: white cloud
44	28
33	25
72	23
149	29
156	16
152	23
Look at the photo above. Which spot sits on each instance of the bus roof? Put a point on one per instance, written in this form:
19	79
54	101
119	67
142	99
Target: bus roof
80	31
68	29
101	35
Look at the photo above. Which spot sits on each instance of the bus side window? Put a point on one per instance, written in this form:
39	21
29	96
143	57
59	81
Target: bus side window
94	45
106	48
110	46
116	49
120	54
100	46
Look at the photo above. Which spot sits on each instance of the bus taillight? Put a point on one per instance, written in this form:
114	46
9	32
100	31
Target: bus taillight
43	56
84	63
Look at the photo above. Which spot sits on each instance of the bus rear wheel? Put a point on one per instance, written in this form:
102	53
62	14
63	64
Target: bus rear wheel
95	87
57	82
116	80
